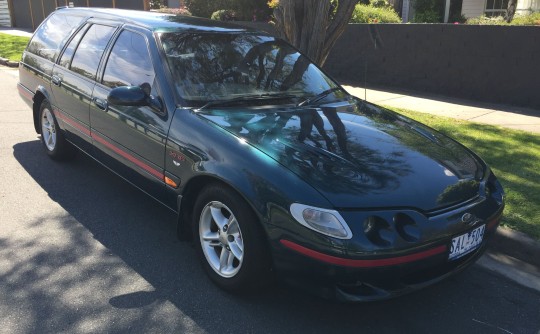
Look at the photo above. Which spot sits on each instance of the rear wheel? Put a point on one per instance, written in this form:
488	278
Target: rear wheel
52	138
229	240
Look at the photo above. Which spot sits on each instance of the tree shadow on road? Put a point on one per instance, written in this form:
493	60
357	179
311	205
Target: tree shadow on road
129	278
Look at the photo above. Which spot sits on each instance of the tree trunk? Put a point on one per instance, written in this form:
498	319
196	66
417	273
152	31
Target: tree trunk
510	11
313	26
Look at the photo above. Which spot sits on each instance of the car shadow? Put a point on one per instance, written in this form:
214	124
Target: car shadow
141	233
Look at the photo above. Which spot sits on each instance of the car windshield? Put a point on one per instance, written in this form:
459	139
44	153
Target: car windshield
209	67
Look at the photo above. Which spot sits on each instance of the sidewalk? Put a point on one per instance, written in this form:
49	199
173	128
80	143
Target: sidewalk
15	32
506	116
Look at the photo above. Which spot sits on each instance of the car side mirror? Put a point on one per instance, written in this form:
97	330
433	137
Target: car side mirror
128	96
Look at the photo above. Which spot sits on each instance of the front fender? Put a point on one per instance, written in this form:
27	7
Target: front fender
196	148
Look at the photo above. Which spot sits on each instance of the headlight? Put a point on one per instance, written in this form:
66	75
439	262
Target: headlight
328	222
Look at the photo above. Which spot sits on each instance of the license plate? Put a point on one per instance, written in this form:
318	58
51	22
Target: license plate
466	243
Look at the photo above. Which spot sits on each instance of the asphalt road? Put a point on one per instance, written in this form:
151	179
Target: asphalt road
81	251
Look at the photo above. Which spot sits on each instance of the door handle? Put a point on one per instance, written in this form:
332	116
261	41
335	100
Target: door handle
56	80
101	104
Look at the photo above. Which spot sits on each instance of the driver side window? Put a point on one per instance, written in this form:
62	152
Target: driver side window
129	63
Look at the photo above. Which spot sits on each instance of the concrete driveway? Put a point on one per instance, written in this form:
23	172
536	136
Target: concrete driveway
81	251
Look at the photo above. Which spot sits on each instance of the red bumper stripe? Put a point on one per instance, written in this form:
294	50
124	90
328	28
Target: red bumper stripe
494	222
25	93
363	263
109	145
129	157
73	123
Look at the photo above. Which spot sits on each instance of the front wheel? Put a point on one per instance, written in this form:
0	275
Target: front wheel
52	138
229	240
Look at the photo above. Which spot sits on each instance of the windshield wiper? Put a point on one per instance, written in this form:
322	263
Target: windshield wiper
318	97
247	98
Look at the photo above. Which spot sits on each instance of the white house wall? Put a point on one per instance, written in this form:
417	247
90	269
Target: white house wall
173	3
473	8
5	19
526	6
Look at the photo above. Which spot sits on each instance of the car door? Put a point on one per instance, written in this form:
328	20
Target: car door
73	80
131	139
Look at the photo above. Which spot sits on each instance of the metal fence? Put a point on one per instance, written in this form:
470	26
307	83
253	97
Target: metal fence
28	14
483	63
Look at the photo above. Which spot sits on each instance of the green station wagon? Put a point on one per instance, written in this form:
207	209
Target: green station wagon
274	170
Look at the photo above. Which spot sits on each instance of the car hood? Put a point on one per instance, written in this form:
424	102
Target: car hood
359	155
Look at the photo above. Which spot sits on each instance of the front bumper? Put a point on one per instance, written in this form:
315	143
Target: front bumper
371	277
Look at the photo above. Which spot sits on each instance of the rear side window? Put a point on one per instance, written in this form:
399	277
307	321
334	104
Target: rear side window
70	49
129	63
89	52
51	33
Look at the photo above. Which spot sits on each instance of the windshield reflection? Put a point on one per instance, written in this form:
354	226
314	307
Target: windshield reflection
218	66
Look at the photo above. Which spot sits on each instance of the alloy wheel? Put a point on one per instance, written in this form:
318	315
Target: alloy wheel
48	129
221	239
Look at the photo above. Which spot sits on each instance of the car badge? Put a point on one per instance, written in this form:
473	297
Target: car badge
467	218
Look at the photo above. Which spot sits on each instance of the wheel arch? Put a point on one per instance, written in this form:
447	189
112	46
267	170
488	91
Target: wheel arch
40	95
189	196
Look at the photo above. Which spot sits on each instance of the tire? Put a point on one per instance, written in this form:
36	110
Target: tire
52	137
229	240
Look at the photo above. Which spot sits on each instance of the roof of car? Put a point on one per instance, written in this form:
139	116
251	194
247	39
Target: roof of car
157	21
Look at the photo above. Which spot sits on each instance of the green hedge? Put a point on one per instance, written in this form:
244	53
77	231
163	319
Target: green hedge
370	14
224	15
175	11
527	20
532	19
489	21
246	10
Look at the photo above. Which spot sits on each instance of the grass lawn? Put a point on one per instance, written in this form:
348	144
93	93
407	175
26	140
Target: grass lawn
12	47
513	155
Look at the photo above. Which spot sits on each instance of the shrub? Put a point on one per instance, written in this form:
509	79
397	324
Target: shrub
175	11
247	10
379	3
224	15
532	19
155	4
428	16
428	11
273	3
457	17
370	14
484	20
